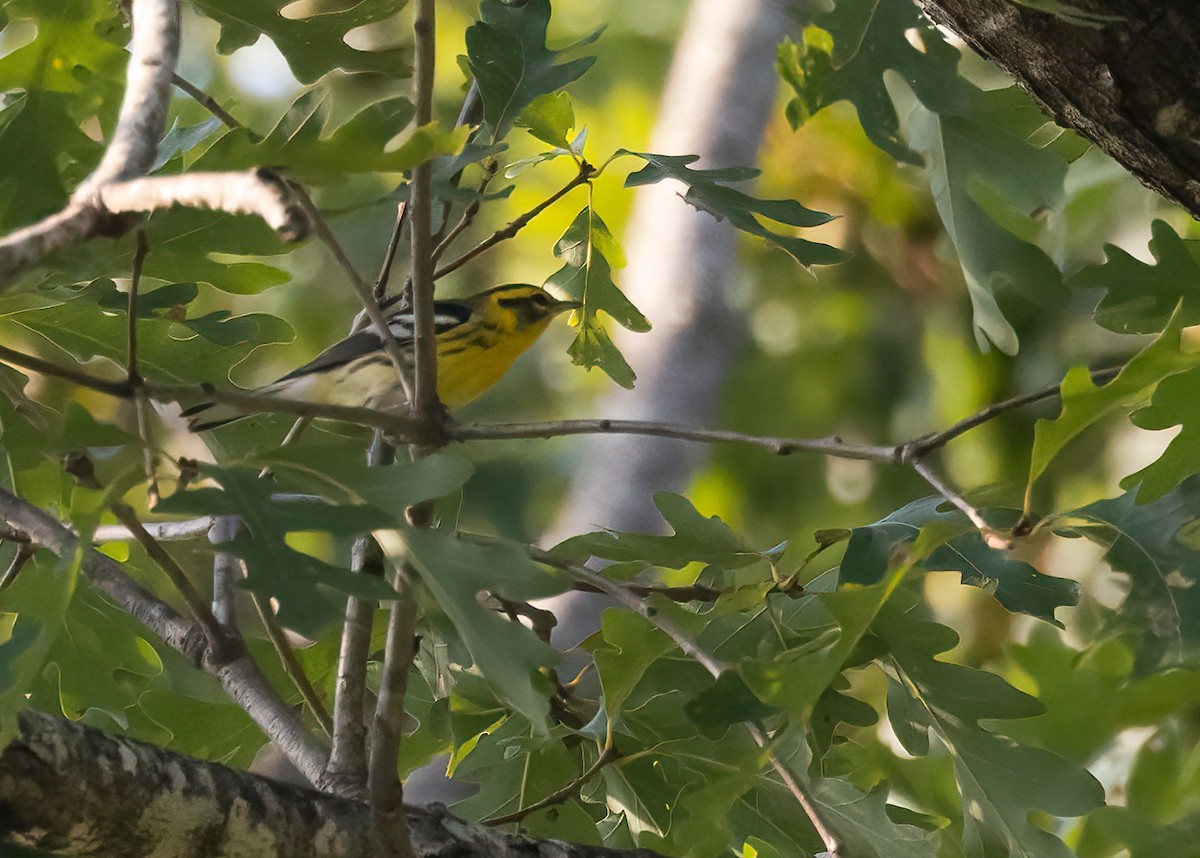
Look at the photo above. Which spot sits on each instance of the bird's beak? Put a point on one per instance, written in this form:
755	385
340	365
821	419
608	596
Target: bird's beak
563	306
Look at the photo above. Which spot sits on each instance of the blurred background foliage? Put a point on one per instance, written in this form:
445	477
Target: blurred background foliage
880	349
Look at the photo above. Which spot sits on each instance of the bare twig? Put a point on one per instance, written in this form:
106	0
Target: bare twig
469	213
241	678
831	446
221	646
347	773
586	171
256	192
227	569
25	551
141	407
153	53
928	443
608	755
208	103
389	255
365	293
400	647
401	426
163	531
291	664
420	198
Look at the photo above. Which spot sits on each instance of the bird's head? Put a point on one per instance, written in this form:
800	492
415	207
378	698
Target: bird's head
530	305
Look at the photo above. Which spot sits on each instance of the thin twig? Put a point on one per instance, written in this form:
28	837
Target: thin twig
347	771
221	646
25	552
385	271
365	293
831	446
928	443
291	664
227	570
210	104
586	171
241	677
141	407
990	535
469	213
608	755
420	197
163	531
399	425
400	648
135	279
714	666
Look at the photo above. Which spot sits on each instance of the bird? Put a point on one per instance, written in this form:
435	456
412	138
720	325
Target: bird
478	339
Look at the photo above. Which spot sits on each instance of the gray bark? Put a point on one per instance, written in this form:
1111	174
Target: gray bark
72	790
1129	82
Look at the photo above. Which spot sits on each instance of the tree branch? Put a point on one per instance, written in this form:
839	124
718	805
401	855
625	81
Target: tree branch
240	677
1126	80
586	171
831	446
420	198
76	790
254	192
154	51
347	772
387	793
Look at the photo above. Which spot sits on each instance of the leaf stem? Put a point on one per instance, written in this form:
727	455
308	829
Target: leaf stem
585	174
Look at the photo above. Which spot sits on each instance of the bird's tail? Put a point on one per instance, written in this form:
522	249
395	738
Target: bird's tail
210	415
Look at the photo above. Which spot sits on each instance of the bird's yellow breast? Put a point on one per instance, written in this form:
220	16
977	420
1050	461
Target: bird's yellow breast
468	364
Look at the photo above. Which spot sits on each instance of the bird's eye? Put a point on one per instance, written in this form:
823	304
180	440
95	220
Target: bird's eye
541	299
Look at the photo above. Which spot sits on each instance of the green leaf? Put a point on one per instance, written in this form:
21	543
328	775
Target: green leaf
1093	695
193	351
631	645
981	155
507	54
694	539
310	591
508	655
1173	404
339	472
1084	404
861	820
1018	586
1139	297
796	678
707	192
1154	544
100	659
549	118
869	38
37	133
1001	781
589	252
312	45
309	143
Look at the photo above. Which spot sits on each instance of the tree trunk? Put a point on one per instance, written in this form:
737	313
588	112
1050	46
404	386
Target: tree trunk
1127	79
73	790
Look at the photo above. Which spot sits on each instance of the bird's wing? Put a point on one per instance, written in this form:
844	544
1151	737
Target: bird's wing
447	315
